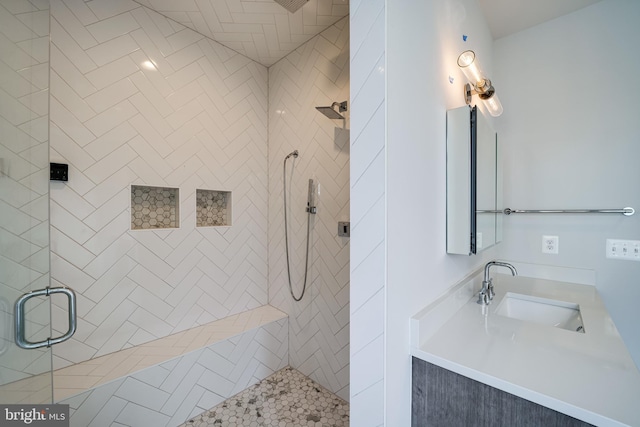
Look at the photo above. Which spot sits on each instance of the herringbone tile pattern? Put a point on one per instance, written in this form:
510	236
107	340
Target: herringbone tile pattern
262	30
316	74
24	193
137	98
170	393
368	213
80	377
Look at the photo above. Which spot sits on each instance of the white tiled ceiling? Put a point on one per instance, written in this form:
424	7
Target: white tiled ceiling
260	29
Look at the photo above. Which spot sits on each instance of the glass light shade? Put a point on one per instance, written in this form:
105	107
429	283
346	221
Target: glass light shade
493	105
469	65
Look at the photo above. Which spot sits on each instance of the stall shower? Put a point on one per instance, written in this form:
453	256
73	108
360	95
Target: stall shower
173	316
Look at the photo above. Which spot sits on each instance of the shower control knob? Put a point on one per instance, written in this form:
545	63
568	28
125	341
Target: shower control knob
344	229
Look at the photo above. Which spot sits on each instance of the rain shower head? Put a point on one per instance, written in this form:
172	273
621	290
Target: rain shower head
331	113
292	5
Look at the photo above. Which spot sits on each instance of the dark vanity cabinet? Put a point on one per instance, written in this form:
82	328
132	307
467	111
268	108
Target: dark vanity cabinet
441	398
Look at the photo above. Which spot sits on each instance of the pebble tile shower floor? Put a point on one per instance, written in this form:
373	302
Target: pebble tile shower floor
285	399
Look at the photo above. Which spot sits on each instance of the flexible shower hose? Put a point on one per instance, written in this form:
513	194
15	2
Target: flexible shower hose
286	237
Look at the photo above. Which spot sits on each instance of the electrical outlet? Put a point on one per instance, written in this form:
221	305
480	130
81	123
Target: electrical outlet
628	250
550	244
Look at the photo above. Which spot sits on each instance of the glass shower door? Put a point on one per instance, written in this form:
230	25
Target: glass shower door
25	375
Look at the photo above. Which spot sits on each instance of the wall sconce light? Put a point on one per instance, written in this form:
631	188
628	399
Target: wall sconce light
480	85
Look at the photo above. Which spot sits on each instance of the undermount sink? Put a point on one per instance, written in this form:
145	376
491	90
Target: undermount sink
559	314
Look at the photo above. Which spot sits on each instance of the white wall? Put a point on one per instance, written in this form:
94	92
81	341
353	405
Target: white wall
570	139
419	93
315	74
199	120
401	264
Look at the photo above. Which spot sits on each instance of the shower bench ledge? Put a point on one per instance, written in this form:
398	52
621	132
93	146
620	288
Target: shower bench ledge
80	377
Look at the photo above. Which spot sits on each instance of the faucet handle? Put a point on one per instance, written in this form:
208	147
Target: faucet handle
483	298
490	292
483	295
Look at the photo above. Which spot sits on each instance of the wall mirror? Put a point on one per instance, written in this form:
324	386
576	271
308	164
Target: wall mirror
473	182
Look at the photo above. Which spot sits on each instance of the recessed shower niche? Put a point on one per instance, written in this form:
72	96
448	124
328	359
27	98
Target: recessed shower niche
154	207
213	208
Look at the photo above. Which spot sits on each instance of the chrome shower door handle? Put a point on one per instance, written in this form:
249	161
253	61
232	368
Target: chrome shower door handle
19	313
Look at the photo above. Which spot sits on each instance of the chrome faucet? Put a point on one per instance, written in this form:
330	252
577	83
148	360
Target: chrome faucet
487	293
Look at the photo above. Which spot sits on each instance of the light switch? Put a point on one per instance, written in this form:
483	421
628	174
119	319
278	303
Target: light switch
628	250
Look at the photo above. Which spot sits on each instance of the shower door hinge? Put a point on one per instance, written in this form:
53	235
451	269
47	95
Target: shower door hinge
344	229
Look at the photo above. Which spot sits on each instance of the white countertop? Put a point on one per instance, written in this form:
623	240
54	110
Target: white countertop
588	376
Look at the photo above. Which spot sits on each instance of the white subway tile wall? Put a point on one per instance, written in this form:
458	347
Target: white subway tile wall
139	99
170	393
368	211
315	74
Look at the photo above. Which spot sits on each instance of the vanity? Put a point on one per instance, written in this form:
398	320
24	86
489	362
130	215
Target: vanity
543	352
